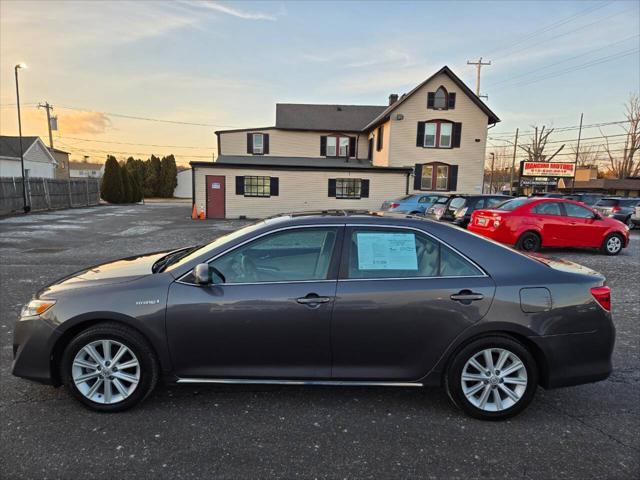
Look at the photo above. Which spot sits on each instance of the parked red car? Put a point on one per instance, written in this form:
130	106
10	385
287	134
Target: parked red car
534	223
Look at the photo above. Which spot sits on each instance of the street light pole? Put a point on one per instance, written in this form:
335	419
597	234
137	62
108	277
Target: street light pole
26	207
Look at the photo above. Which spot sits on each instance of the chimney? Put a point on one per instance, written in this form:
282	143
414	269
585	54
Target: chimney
393	98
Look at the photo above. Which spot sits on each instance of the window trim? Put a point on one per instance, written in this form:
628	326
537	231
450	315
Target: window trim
346	248
434	177
422	187
438	134
337	153
253	143
446	98
354	180
268	182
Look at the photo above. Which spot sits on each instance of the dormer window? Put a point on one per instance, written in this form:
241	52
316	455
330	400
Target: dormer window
440	100
337	146
258	143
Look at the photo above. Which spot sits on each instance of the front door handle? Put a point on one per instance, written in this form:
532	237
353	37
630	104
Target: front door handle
313	299
466	297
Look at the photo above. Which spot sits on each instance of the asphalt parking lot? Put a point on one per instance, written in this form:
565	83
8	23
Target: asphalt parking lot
589	431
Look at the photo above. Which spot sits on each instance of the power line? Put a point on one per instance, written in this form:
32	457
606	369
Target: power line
558	23
601	137
563	129
113	152
135	144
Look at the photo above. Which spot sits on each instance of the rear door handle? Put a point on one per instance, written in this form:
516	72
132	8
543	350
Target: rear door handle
313	299
466	297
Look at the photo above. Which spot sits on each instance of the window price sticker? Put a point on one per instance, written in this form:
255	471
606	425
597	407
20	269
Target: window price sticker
386	251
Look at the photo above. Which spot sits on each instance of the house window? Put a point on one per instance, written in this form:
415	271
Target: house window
442	177
440	99
338	146
257	186
438	134
258	143
348	187
426	181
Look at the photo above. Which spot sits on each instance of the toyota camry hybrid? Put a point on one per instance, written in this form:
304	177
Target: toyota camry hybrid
326	298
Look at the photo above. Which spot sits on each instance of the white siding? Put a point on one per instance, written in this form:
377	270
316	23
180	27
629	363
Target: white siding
183	189
299	190
12	168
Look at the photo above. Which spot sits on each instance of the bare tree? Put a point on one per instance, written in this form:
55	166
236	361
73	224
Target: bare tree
621	163
535	149
587	155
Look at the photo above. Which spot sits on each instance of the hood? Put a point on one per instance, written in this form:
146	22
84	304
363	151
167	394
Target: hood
119	271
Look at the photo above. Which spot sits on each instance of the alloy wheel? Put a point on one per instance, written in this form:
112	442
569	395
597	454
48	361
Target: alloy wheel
106	371
614	244
494	379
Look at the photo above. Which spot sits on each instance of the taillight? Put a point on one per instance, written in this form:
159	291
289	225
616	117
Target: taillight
602	296
395	205
615	209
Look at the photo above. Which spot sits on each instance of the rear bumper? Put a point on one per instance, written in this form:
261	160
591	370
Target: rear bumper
576	358
32	344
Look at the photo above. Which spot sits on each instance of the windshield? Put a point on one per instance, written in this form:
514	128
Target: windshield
457	202
511	205
215	244
443	200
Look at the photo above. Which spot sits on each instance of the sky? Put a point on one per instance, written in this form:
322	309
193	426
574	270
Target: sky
211	65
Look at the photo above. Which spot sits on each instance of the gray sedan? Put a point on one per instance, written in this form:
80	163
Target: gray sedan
327	298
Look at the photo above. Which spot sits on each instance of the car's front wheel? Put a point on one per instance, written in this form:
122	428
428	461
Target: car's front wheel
612	244
109	367
492	378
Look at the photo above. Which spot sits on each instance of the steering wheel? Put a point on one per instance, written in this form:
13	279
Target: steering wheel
248	268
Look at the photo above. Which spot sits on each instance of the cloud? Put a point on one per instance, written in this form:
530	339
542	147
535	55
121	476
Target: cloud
227	10
83	122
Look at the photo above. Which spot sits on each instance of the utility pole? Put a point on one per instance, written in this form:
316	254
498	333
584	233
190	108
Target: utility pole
493	159
575	167
513	162
478	65
26	206
48	108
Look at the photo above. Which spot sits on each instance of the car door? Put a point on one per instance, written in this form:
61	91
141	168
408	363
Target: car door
584	229
552	224
268	313
402	298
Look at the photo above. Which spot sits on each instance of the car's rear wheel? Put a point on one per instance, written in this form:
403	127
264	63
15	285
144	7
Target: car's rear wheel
109	367
612	244
529	242
492	378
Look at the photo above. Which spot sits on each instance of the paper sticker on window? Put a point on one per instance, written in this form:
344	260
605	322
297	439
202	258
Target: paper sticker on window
215	186
386	251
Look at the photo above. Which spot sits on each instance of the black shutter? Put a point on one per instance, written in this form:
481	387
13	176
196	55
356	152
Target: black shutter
323	146
364	188
420	135
332	187
352	146
250	143
379	138
239	185
265	143
370	149
417	179
274	187
457	135
451	100
431	99
453	178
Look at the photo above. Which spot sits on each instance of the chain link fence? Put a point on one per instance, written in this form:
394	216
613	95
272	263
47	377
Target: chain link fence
47	193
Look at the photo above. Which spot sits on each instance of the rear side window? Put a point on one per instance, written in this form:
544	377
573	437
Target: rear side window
607	202
443	200
548	208
399	253
492	202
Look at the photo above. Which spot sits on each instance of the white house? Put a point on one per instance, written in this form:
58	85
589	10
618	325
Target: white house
85	170
38	160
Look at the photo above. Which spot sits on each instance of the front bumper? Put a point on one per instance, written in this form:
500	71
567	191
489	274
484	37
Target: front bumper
33	341
576	358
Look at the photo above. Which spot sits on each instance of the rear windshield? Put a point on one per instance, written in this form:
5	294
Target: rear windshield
458	202
511	205
607	202
406	197
443	200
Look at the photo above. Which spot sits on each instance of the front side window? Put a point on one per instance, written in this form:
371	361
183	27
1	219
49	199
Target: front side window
438	134
577	211
442	177
348	187
440	98
399	253
548	208
291	255
257	186
427	177
258	143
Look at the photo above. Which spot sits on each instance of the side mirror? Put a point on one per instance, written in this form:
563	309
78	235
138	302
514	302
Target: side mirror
596	216
201	274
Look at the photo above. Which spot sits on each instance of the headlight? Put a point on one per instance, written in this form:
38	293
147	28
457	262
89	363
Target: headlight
36	307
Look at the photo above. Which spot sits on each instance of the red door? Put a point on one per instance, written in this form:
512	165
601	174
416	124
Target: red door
215	196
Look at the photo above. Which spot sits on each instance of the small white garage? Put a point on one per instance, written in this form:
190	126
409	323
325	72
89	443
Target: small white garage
238	189
184	188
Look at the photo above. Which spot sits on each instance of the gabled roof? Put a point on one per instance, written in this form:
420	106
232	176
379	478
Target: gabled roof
343	118
383	116
10	146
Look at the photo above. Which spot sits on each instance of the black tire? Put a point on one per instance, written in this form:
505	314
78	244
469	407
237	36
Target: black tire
529	242
134	341
629	223
608	242
453	378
